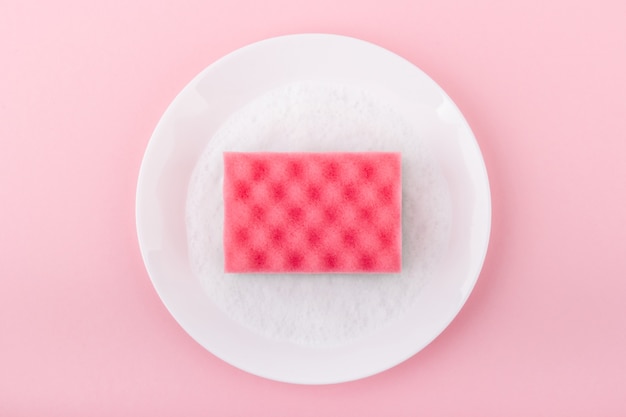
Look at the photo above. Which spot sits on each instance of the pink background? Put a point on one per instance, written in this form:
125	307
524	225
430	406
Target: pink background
82	85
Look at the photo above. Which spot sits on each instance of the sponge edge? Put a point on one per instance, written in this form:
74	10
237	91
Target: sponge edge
312	212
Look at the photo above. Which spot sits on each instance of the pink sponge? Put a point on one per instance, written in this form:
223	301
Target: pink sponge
312	212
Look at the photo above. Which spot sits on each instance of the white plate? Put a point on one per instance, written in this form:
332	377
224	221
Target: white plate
225	87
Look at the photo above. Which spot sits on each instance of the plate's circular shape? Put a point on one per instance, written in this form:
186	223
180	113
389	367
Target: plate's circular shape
229	84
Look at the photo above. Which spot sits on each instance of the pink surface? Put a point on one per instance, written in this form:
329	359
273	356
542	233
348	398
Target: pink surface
312	212
82	85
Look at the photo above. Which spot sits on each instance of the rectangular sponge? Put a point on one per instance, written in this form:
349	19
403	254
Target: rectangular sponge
312	212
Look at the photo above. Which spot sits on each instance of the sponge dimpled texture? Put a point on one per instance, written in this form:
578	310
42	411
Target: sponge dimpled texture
312	212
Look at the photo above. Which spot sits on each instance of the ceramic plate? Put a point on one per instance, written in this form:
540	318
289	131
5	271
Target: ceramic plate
228	85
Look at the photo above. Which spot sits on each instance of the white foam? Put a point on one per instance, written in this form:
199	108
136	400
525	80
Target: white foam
319	310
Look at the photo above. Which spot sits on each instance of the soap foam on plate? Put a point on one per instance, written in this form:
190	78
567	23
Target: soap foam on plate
319	310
